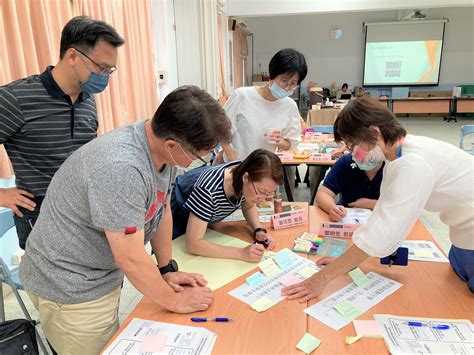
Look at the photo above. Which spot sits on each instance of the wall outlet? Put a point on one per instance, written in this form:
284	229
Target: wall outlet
162	76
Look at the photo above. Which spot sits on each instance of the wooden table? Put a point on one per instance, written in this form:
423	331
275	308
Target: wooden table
422	105
429	290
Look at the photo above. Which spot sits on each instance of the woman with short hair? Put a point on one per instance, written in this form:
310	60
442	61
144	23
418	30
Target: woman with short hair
421	173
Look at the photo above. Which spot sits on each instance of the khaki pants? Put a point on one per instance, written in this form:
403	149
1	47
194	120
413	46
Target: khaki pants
79	329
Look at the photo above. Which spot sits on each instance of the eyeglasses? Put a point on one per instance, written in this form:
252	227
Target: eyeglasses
283	82
201	159
260	194
104	69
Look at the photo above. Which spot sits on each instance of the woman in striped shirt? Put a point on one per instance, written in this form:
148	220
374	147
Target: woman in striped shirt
208	194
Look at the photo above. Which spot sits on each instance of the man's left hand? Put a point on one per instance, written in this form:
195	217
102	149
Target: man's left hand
178	278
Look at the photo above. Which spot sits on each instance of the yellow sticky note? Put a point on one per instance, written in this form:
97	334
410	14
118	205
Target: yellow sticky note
352	340
422	253
307	271
347	309
359	278
308	343
269	267
262	304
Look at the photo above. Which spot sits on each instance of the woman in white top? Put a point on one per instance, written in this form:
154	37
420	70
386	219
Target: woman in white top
421	173
254	111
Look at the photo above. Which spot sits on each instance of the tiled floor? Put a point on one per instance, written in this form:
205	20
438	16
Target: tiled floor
432	127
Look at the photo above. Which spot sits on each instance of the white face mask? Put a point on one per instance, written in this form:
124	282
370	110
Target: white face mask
175	163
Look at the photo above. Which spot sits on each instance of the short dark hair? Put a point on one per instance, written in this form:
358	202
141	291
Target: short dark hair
354	122
345	86
192	117
259	164
288	61
83	33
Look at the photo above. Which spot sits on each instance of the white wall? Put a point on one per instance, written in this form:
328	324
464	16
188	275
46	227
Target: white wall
164	44
287	7
342	60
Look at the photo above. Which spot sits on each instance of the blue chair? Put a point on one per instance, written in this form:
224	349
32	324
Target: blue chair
324	129
9	272
465	131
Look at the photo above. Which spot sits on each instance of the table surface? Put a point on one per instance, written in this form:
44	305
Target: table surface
429	290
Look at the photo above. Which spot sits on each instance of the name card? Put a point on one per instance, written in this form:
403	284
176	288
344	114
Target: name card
290	219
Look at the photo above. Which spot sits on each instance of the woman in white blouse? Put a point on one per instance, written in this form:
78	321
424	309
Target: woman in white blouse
421	173
265	116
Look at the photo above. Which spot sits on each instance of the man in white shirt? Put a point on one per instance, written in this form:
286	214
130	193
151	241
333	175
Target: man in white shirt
421	173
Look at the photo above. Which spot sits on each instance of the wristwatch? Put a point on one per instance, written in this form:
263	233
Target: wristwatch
260	229
172	266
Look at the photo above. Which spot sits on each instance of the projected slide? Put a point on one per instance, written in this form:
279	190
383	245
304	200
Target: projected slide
402	63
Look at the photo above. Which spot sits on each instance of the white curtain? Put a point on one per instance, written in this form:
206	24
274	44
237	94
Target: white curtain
209	46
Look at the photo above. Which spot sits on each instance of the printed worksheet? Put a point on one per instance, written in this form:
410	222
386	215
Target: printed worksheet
424	250
148	337
360	299
271	286
356	216
410	335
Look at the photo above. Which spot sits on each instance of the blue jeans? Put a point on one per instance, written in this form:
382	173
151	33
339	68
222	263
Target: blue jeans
462	261
24	225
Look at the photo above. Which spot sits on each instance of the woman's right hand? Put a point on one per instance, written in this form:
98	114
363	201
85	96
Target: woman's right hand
253	253
337	213
193	299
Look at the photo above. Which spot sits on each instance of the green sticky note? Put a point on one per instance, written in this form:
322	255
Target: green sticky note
256	279
283	259
422	253
359	278
347	309
308	343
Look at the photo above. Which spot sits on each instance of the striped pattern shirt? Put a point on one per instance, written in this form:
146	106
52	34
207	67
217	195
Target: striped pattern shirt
40	127
207	199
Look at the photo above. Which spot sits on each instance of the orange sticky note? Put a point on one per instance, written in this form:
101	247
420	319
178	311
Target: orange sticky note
153	343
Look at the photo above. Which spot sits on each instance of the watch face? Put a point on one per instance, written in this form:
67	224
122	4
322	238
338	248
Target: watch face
173	264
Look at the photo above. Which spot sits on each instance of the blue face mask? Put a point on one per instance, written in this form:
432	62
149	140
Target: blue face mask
278	92
95	84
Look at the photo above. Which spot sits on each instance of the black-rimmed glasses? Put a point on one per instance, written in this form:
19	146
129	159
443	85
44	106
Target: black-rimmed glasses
104	69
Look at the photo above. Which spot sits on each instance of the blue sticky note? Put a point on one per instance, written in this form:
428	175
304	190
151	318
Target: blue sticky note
256	279
283	259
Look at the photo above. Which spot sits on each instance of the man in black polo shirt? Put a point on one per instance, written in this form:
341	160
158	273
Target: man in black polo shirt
45	118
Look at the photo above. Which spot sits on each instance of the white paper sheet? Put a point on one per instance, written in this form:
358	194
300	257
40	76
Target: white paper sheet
180	339
404	339
356	216
424	245
363	298
272	287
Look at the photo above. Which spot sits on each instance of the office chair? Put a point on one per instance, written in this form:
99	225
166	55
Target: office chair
9	272
465	131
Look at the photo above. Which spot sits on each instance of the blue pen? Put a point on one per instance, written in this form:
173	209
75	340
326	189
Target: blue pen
419	324
198	319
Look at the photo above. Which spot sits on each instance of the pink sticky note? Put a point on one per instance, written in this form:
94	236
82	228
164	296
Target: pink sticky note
367	328
290	280
153	343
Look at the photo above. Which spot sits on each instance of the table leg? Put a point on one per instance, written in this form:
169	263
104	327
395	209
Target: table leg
289	195
322	173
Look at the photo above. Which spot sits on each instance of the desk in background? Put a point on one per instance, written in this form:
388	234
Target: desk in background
429	290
